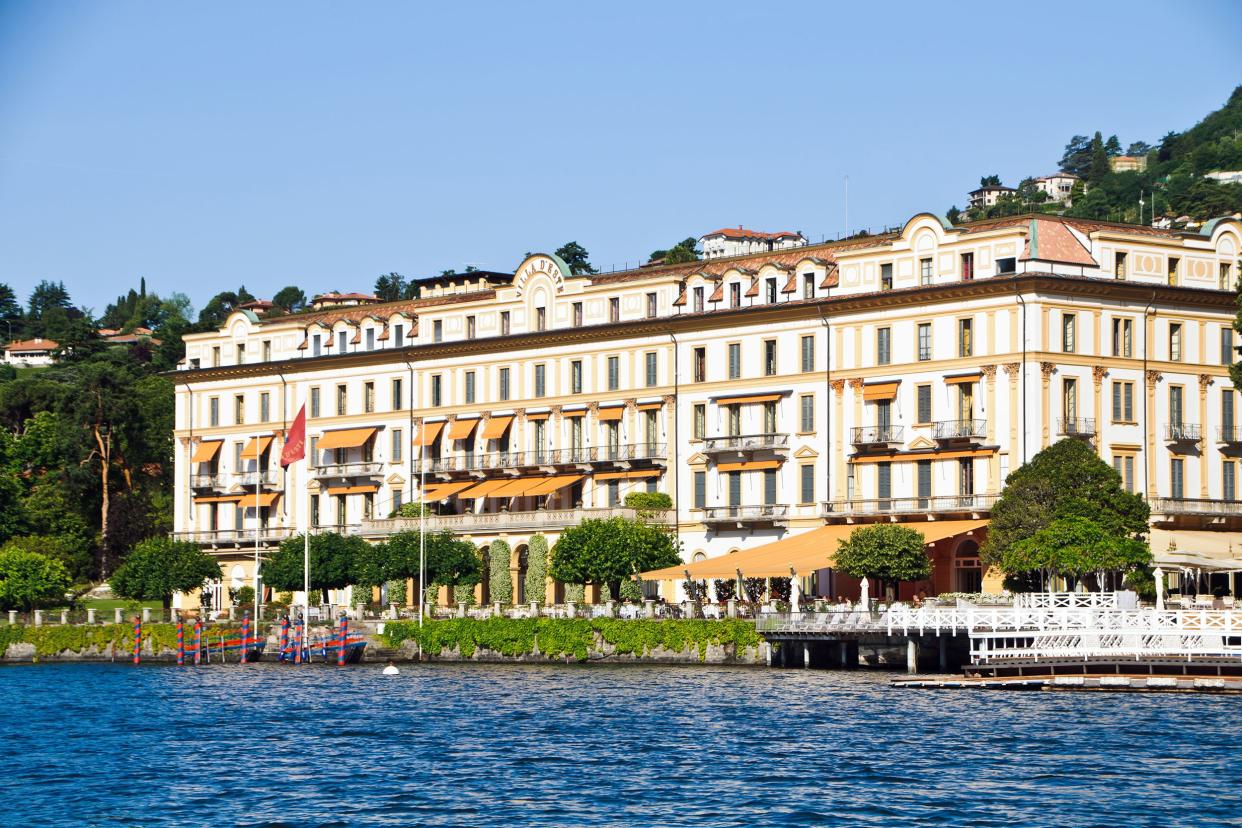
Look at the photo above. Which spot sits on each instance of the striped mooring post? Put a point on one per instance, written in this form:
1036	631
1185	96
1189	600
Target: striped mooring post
284	639
137	639
340	653
180	645
297	641
245	636
198	641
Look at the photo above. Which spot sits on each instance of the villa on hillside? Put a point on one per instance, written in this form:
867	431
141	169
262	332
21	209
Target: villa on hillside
31	352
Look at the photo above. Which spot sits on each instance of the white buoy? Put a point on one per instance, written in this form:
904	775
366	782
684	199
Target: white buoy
391	670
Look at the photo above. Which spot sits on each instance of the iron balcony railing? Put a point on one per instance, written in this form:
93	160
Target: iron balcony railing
746	514
264	477
1076	427
504	521
235	537
1195	506
880	435
961	429
207	481
367	469
909	505
1230	434
1180	432
746	442
583	455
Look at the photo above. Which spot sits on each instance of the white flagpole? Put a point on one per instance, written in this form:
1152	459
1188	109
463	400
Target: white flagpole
422	525
306	538
258	519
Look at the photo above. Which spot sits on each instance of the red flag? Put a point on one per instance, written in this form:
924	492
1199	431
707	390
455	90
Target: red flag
295	443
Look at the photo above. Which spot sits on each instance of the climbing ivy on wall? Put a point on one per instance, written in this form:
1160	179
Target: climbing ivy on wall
500	582
537	569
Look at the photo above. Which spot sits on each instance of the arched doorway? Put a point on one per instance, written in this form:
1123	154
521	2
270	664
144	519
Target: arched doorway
482	592
519	562
967	568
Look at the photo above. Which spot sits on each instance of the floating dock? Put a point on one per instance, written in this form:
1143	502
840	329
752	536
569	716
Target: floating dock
1110	682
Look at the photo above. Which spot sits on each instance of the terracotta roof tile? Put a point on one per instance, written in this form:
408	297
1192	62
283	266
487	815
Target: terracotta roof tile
1052	241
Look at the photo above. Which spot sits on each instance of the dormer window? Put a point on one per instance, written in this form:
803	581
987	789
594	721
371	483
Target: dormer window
370	339
614	309
398	335
698	299
471	330
770	290
735	295
241	354
316	345
808	285
541	319
437	330
342	341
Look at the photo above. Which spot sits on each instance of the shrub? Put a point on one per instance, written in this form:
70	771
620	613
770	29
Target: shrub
648	501
29	580
499	579
632	590
537	569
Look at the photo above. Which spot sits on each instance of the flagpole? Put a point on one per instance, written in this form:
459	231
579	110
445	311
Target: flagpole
306	548
258	519
422	525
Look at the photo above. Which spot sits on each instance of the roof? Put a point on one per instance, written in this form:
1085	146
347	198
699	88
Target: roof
994	188
37	344
1056	175
1052	241
338	297
741	232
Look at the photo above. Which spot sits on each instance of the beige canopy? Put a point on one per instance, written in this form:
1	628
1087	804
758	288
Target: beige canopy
1190	549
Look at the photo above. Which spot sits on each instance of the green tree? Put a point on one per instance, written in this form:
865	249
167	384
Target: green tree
992	180
1112	146
157	568
888	552
576	258
1074	547
47	295
1065	480
954	215
680	253
1077	156
536	585
499	579
390	287
1138	149
1099	168
29	580
335	563
290	299
607	552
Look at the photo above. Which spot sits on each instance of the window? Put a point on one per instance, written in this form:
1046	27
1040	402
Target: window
267	350
966	401
886	277
314	402
437	390
735	360
398	335
770	290
806	419
1177	477
503	383
700	420
504	323
1123	464
1123	401
883	346
575	377
316	345
968	266
700	490
808	354
1175	341
924	395
577	314
884	415
700	364
735	488
370	339
437	330
238	448
265	407
1229	482
924	474
769	486
1119	265
397	447
769	418
925	271
1226	415
1176	409
651	427
1069	330
769	357
614	490
342	342
735	295
1226	276
653	303
575	436
1173	263
1069	404
965	343
470	387
614	373
213	411
541	380
807	487
1007	265
698	300
614	309
471	328
733	415
650	361
884	481
1226	345
1123	337
241	354
924	341
215	353
398	497
808	285
966	476
398	401
239	409
368	397
342	400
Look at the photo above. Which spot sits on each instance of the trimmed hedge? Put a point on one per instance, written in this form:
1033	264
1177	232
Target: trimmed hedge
565	637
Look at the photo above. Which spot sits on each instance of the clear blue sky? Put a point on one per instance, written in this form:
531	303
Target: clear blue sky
209	145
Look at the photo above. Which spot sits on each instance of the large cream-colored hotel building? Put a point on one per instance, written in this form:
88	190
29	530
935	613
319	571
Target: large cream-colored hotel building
897	377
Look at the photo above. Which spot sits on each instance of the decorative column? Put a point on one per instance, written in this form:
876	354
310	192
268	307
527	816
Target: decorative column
838	444
629	422
1098	373
856	391
1046	370
1149	437
989	376
1013	370
671	471
1205	380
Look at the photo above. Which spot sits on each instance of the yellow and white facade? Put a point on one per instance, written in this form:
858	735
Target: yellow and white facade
892	377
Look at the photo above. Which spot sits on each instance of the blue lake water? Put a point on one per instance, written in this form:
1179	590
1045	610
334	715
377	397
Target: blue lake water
95	744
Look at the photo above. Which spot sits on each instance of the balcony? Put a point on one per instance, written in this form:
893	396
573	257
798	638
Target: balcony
873	437
746	443
585	457
1076	427
267	536
970	504
503	521
1181	433
208	481
265	478
966	431
773	514
1229	434
362	469
1196	506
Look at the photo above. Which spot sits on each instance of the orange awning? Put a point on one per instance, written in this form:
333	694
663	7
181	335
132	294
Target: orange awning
428	433
962	378
578	412
484	489
443	491
206	451
539	415
880	391
753	465
348	490
552	484
607	415
255	447
802	553
628	475
345	438
650	406
496	427
218	499
262	499
462	429
753	398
